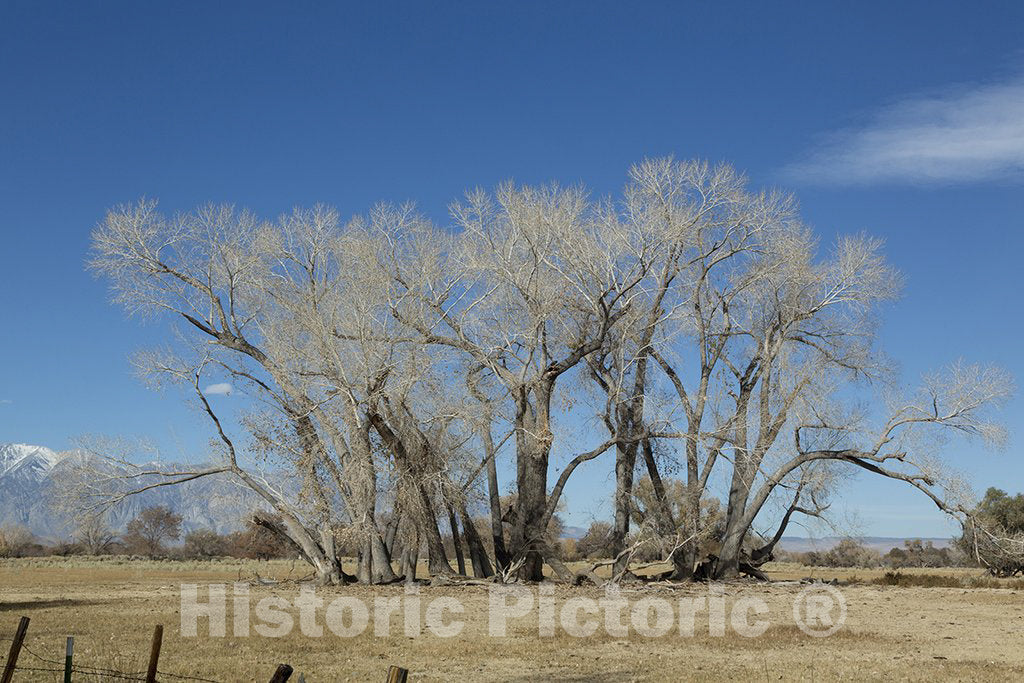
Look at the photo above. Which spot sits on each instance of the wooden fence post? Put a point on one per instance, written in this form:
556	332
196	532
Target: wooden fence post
154	653
397	674
282	674
68	653
12	657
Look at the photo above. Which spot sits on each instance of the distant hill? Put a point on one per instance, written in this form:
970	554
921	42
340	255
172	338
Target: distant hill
883	544
29	473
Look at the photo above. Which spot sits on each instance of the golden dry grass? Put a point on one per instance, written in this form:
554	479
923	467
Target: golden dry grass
891	632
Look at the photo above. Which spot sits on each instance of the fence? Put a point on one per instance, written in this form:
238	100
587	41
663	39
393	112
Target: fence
15	662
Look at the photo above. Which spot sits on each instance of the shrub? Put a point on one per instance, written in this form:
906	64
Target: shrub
204	543
896	578
848	553
16	541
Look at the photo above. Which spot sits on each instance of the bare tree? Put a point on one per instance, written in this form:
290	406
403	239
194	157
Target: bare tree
698	221
148	532
94	534
239	285
759	335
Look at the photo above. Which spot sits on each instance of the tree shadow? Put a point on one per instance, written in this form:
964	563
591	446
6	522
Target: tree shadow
46	604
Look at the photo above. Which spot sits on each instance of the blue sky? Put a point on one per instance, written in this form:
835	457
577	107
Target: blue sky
902	119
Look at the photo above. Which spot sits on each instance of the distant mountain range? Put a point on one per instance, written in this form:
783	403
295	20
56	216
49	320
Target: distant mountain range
883	544
28	475
801	544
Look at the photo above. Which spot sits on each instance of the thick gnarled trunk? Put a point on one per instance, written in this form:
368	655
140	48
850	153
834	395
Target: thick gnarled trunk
625	465
533	446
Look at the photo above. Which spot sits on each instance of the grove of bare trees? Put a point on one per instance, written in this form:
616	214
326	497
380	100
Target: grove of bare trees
393	377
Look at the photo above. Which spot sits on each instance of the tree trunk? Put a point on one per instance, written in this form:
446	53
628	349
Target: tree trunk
411	449
364	562
381	570
391	531
327	568
477	552
625	465
494	498
727	566
533	444
688	553
437	560
411	556
460	558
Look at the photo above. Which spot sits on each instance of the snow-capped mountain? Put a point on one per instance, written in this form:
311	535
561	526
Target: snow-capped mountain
33	461
28	475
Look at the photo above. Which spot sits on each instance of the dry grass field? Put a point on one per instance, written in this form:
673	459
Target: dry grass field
892	633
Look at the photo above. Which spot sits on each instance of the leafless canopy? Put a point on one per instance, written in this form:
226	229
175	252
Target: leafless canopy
387	369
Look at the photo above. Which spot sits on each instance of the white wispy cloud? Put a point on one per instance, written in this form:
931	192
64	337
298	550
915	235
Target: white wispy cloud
965	134
220	389
6	401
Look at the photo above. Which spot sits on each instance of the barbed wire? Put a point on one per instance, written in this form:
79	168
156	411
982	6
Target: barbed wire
38	668
187	678
85	669
99	671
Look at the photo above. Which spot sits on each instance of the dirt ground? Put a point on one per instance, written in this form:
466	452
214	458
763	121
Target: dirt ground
891	633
